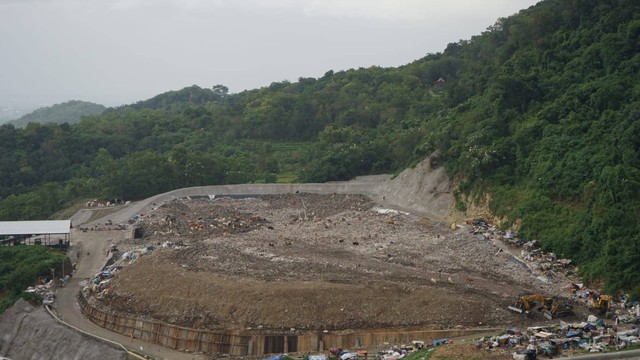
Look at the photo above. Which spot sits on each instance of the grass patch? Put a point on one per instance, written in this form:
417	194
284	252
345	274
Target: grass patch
286	178
465	352
68	212
423	354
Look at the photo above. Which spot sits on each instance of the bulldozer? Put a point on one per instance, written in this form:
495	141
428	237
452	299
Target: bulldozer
550	307
558	308
600	305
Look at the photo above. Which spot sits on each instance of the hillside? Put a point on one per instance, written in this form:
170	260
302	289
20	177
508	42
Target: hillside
535	119
67	112
22	324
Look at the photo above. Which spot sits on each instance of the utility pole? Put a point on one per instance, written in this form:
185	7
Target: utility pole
53	278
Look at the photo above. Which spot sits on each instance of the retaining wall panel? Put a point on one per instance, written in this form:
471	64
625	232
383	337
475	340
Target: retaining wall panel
220	342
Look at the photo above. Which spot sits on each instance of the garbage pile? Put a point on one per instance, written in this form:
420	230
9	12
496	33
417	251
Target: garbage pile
45	291
200	218
629	312
546	263
392	353
99	283
131	256
593	335
546	266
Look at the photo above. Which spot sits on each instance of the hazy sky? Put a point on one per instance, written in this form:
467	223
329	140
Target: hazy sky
120	51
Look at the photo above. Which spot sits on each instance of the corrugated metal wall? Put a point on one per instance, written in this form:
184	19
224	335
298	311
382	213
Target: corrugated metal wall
235	343
171	336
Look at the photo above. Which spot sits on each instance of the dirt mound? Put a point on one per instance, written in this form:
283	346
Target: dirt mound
310	261
31	333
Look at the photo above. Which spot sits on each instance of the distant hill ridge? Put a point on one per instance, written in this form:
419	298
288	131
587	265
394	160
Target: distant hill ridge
67	112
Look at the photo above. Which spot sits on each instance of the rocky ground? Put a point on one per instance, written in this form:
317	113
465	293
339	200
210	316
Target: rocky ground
310	261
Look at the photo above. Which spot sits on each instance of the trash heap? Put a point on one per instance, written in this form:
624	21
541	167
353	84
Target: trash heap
392	353
99	283
593	335
45	291
548	268
546	263
629	312
199	218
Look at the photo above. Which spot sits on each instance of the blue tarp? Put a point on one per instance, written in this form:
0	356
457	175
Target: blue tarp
439	342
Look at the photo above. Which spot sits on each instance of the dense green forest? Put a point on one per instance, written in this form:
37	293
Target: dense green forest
540	111
67	112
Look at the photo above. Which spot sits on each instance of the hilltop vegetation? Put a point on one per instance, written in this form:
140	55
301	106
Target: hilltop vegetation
67	112
540	112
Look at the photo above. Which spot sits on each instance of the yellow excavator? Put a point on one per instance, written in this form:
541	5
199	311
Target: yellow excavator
533	302
550	307
600	304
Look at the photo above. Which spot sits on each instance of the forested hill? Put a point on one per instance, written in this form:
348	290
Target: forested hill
67	112
540	112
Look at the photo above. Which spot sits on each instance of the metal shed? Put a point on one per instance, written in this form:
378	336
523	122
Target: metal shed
55	233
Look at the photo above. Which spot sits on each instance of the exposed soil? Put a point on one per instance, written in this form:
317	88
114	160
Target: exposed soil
310	261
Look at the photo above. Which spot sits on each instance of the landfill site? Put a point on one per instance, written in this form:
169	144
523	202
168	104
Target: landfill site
299	263
333	271
309	262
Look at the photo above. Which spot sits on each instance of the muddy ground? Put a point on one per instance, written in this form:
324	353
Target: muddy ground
309	262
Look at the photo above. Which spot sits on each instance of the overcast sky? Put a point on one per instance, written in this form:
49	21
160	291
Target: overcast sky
117	52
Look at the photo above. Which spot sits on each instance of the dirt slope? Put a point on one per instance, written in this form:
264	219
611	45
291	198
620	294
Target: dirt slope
31	333
423	190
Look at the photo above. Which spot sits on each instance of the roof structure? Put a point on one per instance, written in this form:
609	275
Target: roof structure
35	227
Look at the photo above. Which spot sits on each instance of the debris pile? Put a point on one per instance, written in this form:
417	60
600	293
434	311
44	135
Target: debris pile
394	352
629	312
593	335
99	283
531	251
45	291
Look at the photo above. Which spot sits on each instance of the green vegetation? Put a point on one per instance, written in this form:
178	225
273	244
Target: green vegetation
69	112
423	354
540	111
20	266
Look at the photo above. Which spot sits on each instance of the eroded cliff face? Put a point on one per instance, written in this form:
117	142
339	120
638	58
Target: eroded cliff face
427	190
28	332
424	189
